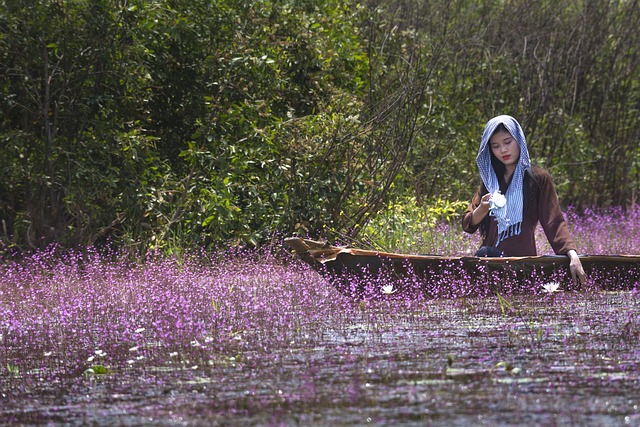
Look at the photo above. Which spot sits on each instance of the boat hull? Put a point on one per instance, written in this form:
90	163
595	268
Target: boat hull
362	273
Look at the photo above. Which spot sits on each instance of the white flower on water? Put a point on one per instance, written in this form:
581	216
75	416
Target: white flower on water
388	289
497	200
551	287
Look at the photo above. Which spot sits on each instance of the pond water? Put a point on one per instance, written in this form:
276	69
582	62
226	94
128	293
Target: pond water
289	350
570	361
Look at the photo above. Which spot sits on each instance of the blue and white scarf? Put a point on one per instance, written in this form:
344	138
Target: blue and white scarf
509	216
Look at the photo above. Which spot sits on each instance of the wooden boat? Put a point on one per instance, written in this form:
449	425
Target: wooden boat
366	273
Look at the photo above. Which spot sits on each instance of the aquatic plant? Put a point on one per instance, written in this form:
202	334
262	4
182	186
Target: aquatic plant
254	337
551	287
388	289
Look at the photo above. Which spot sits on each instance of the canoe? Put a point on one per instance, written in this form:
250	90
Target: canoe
366	273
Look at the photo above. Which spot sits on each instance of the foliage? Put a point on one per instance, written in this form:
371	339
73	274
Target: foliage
169	123
405	226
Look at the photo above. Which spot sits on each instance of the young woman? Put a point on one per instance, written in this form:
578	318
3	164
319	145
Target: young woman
513	197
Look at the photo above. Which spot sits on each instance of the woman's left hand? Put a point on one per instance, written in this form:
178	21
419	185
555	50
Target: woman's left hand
575	267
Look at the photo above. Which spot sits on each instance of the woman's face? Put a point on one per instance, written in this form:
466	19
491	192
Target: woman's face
505	148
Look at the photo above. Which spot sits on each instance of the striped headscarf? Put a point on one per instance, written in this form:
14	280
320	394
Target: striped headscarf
509	217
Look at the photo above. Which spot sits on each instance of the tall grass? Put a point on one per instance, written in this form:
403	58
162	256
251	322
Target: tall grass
408	227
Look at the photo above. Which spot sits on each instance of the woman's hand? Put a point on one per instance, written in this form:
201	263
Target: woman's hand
482	210
575	267
484	202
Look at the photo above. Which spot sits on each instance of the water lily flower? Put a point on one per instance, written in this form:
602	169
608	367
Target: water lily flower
497	200
388	289
551	287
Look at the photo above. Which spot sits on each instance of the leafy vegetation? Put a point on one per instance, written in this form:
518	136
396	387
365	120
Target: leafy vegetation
167	123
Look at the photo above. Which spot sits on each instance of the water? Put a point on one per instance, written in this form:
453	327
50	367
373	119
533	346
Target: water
562	359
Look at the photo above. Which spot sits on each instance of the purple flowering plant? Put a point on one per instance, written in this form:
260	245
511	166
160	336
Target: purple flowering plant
256	337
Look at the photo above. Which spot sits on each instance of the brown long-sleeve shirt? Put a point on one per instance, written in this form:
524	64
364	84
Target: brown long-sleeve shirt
544	208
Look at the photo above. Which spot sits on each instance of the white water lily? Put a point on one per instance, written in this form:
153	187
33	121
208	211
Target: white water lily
497	200
551	287
388	289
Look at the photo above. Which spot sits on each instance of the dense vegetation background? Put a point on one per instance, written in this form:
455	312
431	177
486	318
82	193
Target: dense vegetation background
196	122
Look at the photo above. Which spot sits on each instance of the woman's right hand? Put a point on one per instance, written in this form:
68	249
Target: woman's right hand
484	202
482	210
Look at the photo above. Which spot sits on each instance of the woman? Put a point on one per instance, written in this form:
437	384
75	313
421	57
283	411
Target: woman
513	197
